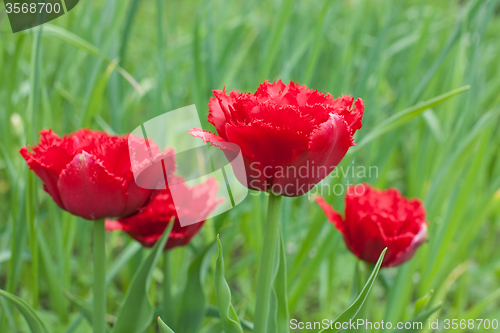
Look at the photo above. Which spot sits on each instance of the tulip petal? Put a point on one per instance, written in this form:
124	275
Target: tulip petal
193	202
218	110
406	246
271	157
332	215
47	176
331	141
88	190
328	145
368	240
213	139
112	225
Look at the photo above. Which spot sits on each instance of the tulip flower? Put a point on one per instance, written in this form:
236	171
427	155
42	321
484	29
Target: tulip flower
89	174
148	226
377	219
291	137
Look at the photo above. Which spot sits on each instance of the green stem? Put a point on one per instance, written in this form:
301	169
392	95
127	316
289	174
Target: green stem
167	289
264	281
33	106
99	277
32	239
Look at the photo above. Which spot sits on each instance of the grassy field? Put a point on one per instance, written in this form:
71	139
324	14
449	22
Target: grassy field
111	65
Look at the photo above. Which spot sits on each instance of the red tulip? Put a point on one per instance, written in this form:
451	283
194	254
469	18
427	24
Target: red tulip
89	173
377	219
290	136
194	203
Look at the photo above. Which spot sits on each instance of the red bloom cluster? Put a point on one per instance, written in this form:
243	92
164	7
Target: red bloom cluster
88	173
290	136
193	203
375	220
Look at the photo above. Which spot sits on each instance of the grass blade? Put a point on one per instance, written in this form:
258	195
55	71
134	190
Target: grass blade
280	289
163	327
228	316
193	303
120	261
82	305
354	308
95	101
35	323
418	319
136	312
213	311
406	115
88	47
274	41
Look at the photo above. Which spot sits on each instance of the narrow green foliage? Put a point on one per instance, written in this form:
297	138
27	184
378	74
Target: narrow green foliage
422	302
353	309
35	323
193	301
406	115
163	327
82	305
280	289
420	318
84	45
227	314
267	263
136	312
97	95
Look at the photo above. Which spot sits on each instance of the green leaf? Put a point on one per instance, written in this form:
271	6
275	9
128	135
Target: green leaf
406	115
354	308
12	170
476	310
213	311
118	264
163	327
95	101
52	277
35	323
420	318
285	11
75	40
228	316
82	305
280	290
137	311
305	273
121	260
272	324
422	302
193	303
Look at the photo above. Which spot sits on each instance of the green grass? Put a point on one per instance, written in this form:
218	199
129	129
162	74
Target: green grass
112	65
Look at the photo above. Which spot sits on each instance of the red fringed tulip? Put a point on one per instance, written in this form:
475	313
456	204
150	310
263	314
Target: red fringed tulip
377	219
89	173
194	203
290	136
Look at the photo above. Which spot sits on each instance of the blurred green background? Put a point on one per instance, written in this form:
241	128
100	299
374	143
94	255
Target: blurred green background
111	65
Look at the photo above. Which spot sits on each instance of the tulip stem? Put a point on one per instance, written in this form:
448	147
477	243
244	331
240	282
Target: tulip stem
99	319
267	259
167	289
